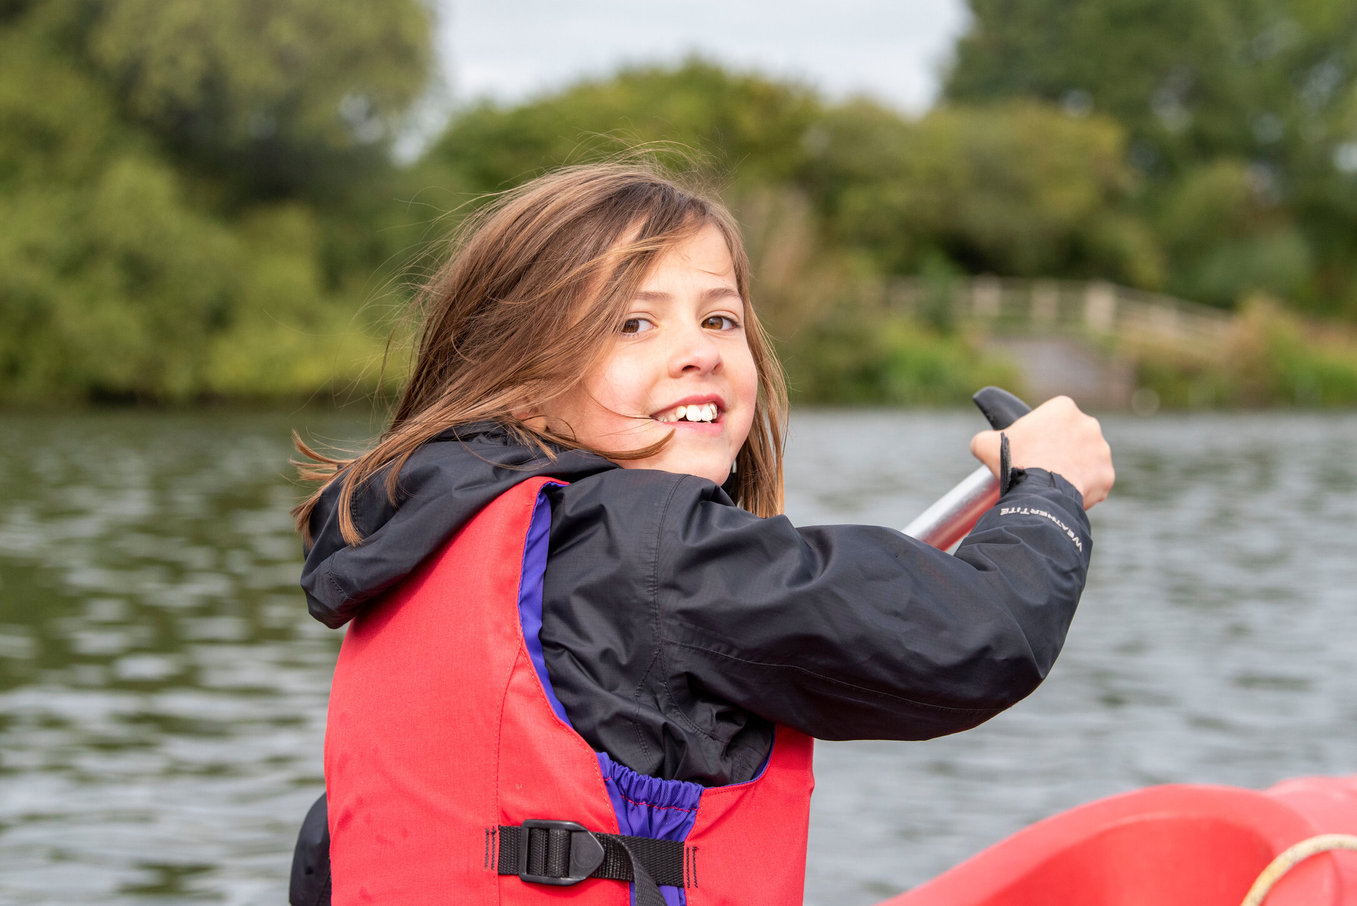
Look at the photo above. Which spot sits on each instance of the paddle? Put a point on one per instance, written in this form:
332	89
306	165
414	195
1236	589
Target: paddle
955	513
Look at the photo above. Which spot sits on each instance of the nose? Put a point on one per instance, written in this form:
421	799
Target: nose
694	351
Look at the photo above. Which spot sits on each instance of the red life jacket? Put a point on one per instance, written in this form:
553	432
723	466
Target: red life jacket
443	731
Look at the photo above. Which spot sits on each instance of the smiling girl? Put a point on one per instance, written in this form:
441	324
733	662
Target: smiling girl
587	655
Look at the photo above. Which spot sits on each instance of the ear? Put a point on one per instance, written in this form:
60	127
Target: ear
527	418
527	408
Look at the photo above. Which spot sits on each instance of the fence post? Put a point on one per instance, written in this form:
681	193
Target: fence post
1045	302
1100	307
986	297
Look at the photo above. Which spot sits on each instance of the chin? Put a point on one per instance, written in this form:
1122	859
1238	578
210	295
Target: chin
717	474
714	472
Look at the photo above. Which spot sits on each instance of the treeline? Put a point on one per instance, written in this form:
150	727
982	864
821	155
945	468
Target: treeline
1238	120
202	202
197	196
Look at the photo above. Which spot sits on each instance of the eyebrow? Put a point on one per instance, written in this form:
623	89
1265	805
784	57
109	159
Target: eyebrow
708	295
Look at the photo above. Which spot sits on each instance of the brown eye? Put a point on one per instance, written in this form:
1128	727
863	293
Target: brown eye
719	322
636	325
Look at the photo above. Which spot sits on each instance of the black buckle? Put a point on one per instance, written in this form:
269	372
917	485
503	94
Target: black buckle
583	852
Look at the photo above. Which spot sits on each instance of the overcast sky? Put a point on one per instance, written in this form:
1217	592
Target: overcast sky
513	49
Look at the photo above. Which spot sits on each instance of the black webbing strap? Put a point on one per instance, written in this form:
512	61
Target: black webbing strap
1005	464
563	852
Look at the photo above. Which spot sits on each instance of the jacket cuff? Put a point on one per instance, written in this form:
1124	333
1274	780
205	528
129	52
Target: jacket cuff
1040	478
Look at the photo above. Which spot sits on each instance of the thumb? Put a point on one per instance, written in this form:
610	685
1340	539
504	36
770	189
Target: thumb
985	447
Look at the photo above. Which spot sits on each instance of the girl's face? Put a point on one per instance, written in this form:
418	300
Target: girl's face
680	364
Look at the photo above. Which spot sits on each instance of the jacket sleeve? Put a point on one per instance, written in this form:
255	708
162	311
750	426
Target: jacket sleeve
678	616
850	631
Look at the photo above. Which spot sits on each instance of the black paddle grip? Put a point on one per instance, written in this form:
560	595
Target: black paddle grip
1000	407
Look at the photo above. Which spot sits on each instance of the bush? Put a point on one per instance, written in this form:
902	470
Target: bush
894	362
1274	359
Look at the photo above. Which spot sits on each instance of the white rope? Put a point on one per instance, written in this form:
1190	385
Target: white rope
1292	857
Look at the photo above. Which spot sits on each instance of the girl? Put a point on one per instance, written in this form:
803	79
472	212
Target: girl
587	655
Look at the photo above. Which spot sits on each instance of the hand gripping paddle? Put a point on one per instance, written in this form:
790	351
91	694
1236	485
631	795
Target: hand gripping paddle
955	513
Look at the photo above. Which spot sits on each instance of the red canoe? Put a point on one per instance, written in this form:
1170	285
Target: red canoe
1166	846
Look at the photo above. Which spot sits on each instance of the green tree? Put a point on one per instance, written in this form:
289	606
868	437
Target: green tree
742	126
1019	190
1266	86
294	93
130	270
1225	242
1261	80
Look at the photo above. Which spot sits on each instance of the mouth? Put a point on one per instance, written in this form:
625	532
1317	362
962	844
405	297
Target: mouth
700	413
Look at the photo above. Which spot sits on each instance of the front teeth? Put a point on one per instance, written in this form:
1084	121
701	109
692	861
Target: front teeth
704	412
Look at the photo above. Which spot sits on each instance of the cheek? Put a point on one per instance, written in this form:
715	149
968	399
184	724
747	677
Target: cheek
748	388
620	384
747	375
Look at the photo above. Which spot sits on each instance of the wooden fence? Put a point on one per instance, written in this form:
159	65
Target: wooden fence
1096	310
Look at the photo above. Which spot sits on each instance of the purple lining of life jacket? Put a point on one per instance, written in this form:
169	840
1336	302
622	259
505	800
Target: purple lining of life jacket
645	806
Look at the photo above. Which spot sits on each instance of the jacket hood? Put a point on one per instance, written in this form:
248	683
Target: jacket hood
442	485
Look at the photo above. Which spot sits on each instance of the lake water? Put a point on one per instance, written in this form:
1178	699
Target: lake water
162	691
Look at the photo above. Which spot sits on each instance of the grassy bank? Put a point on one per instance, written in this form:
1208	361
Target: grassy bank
1271	359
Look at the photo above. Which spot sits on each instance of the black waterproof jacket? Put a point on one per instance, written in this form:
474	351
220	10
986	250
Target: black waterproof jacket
678	628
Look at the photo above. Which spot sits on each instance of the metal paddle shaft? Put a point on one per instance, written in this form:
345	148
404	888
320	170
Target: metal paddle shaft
955	513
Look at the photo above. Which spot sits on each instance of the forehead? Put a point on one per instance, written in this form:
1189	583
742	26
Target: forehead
704	252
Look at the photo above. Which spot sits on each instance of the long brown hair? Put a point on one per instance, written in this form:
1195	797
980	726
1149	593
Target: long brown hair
529	300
